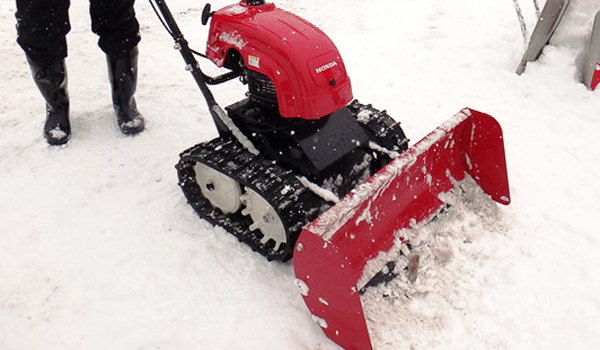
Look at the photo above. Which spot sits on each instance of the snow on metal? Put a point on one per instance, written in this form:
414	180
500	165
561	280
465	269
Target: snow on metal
333	251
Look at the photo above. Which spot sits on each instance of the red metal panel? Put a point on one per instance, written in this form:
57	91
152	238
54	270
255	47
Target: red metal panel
328	285
332	251
595	77
304	65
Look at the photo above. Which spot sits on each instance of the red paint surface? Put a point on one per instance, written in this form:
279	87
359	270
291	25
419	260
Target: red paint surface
331	263
595	77
304	65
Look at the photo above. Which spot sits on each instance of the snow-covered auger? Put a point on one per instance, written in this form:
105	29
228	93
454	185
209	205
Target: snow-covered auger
300	168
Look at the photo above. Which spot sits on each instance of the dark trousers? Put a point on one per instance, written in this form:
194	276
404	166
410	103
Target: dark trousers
42	26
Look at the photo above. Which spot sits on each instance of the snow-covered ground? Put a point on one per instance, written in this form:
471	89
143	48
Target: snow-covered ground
99	250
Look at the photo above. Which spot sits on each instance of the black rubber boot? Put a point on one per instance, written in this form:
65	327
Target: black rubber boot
122	73
51	80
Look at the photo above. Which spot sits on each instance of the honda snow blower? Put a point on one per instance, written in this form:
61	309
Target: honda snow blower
299	142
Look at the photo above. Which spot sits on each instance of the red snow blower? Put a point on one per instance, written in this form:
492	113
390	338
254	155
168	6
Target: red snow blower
302	169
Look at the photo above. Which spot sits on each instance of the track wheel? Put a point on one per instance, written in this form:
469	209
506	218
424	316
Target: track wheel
264	218
220	190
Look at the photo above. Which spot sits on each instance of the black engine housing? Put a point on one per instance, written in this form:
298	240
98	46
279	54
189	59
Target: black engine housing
332	151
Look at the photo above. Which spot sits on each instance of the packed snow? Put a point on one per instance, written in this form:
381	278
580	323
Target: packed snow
99	249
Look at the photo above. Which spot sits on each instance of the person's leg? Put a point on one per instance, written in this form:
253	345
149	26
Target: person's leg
42	26
115	23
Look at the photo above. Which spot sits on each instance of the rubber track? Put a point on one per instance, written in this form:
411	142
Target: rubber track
384	128
295	204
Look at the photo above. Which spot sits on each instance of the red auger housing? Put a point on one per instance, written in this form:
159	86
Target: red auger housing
290	62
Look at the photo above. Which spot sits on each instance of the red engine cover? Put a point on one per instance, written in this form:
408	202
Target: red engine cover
304	65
